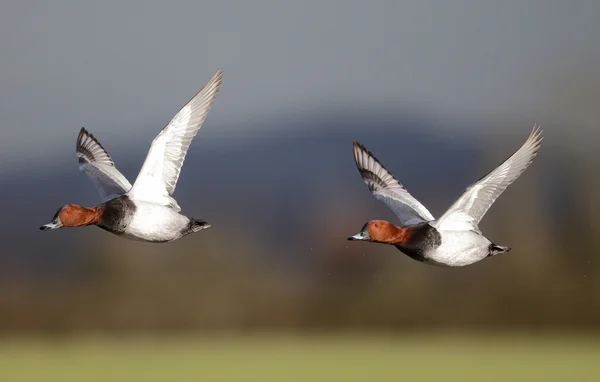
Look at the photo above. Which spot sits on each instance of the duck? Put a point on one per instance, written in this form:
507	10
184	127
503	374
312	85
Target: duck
453	240
144	211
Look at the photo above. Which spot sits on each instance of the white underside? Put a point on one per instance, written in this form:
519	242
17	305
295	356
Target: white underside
459	248
152	222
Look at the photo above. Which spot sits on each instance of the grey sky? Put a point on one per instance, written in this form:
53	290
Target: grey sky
118	67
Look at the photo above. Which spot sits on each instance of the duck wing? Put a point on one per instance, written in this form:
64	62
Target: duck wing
95	162
158	177
469	209
386	188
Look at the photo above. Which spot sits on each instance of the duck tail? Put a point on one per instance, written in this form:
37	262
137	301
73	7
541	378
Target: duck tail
198	225
496	249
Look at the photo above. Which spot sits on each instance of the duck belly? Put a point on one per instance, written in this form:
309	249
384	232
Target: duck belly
460	248
156	223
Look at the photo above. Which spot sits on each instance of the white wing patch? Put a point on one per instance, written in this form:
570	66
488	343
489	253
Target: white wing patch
386	188
466	213
159	174
95	162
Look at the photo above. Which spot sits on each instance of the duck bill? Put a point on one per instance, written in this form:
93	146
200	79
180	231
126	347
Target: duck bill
54	224
362	236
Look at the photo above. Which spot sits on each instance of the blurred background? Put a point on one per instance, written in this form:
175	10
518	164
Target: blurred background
440	92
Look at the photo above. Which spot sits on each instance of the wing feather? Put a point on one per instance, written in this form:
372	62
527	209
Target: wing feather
469	209
159	174
97	164
386	188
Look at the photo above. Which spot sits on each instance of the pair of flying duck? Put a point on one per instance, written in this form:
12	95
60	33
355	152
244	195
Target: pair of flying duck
146	211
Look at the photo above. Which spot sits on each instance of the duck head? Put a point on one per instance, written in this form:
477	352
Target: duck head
73	215
381	231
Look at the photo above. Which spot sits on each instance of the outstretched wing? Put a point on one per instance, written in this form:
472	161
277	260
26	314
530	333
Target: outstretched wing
158	176
95	162
469	209
387	188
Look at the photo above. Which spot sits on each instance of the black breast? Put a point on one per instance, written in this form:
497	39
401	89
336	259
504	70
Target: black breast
424	238
117	214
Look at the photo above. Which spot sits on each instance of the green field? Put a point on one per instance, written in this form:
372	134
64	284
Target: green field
297	358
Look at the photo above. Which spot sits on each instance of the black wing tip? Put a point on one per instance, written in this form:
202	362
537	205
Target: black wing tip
357	146
83	133
363	168
360	146
82	149
363	148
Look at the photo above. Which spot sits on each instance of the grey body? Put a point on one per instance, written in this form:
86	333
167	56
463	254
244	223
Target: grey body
460	248
422	242
143	221
447	248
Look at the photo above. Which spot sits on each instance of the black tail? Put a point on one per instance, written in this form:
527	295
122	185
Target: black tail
496	249
198	225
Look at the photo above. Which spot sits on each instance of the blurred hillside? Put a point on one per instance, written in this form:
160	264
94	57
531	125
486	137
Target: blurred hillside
282	202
